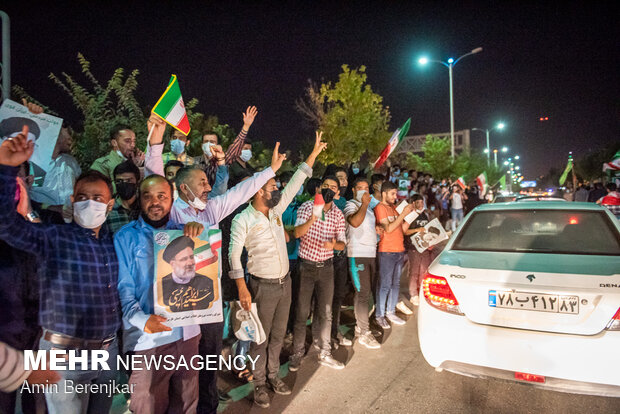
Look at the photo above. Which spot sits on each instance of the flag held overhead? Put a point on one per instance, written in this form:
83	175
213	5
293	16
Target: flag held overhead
398	136
170	107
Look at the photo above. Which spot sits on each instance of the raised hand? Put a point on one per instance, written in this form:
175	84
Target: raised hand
318	147
159	127
248	117
277	159
32	107
16	150
218	153
138	157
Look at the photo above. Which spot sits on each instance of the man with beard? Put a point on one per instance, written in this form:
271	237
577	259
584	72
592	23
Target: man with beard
123	143
195	205
260	230
183	289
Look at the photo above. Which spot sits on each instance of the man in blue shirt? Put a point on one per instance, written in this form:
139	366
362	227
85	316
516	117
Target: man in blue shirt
79	307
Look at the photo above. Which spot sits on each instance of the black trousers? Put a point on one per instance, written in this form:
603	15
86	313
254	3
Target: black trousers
210	344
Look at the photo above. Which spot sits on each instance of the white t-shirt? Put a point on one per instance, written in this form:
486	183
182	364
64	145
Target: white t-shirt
362	240
457	202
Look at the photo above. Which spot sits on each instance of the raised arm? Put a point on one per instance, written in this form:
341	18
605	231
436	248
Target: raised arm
234	150
305	220
356	219
153	162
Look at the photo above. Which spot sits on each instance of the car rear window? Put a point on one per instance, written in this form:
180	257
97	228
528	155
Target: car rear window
540	231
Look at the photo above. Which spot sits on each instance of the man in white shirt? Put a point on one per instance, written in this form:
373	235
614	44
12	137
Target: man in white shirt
193	205
259	228
362	252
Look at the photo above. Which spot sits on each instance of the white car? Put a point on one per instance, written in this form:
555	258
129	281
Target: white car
528	292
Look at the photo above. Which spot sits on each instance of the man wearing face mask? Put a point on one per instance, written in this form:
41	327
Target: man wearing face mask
240	166
418	262
126	207
123	142
376	181
179	142
260	229
362	249
210	148
75	255
193	204
319	237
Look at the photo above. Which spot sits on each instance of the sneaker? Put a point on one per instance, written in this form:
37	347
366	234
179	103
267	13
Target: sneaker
295	362
343	340
279	387
369	341
403	308
394	319
329	361
383	323
261	396
415	300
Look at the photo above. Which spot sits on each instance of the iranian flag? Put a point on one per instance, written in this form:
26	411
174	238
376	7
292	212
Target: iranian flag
170	107
481	180
398	136
614	164
461	183
207	253
317	208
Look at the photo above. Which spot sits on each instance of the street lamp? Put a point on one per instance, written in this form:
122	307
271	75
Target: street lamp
449	64
499	126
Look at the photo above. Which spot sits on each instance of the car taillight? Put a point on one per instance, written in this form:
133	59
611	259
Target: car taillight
438	294
522	376
614	324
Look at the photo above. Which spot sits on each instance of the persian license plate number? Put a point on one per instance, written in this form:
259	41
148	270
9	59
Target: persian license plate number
540	302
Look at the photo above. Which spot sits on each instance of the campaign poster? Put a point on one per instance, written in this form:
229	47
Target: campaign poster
433	235
187	287
43	129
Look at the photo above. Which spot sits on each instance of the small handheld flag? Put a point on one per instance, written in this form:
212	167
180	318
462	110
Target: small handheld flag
319	203
461	183
398	136
170	107
614	164
481	180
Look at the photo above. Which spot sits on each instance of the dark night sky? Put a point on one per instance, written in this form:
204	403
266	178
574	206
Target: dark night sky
558	60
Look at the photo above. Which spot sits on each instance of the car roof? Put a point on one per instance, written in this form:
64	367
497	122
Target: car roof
540	205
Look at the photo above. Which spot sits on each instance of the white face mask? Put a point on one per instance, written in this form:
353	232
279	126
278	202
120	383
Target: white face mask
246	155
89	214
196	203
359	194
206	148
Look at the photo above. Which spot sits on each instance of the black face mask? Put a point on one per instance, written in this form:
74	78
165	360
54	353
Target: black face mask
274	200
328	195
126	190
156	224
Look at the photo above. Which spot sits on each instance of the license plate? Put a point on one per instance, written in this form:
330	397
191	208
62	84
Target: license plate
534	301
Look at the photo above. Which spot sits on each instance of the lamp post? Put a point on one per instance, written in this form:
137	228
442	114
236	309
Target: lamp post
499	126
450	64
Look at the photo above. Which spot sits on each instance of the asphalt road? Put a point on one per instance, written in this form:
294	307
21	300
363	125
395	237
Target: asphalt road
396	379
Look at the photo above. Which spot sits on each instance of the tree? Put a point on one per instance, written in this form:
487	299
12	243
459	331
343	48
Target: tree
436	160
350	114
104	105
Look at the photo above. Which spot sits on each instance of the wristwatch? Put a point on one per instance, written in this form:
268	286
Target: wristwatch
32	216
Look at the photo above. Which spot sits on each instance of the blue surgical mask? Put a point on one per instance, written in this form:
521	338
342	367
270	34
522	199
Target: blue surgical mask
373	203
246	155
301	191
355	170
177	146
405	175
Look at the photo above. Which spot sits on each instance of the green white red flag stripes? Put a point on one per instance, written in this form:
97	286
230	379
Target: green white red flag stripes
170	107
614	164
481	180
398	136
461	183
207	253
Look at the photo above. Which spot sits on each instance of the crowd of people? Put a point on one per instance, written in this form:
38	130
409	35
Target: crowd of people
78	258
